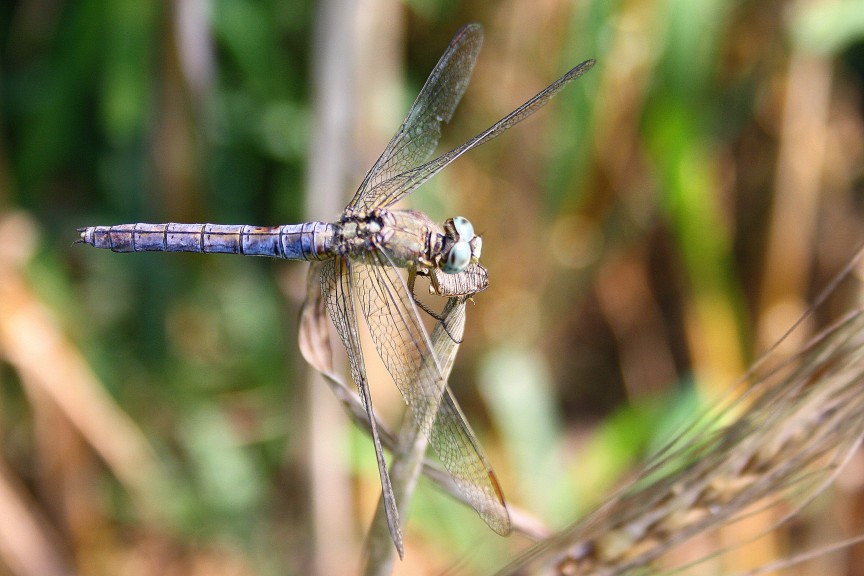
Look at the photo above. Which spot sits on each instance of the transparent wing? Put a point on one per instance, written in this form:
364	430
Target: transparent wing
336	287
412	361
419	134
401	183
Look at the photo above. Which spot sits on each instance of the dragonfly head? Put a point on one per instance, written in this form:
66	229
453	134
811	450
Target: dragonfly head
463	247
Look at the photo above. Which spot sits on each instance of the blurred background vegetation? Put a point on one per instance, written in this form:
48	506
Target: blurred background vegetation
664	221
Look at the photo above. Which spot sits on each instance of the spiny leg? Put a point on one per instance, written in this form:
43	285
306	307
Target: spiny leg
412	277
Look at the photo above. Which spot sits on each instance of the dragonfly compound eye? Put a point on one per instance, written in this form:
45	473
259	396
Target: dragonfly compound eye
463	228
457	258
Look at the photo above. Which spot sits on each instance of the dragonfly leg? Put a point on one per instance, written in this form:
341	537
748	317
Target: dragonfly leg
412	277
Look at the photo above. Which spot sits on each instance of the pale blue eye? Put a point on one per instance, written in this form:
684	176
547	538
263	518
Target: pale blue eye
463	228
458	258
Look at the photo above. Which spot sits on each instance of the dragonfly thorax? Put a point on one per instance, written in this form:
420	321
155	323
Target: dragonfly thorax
409	239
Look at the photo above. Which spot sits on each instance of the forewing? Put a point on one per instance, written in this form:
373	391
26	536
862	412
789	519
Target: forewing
336	287
401	183
417	138
415	364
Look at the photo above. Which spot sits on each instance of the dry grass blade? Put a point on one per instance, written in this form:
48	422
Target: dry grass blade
57	380
778	439
27	545
46	361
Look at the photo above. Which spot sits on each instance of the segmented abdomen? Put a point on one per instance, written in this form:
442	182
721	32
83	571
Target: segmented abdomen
308	241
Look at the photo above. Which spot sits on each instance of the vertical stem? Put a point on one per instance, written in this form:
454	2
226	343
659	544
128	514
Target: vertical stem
404	471
333	545
792	235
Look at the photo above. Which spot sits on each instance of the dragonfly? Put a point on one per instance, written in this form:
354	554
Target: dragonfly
359	258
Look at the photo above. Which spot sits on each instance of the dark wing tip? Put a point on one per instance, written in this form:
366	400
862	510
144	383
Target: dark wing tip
503	525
